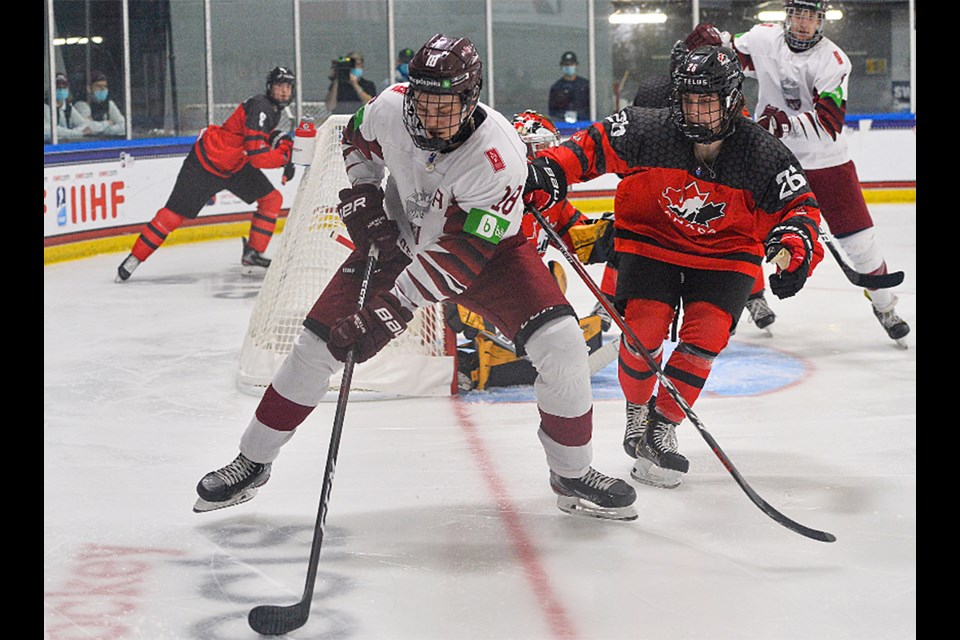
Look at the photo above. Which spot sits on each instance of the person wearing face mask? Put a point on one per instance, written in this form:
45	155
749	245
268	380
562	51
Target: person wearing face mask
102	112
570	95
400	71
71	125
349	90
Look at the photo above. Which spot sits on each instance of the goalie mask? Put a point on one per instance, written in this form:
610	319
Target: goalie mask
443	91
706	98
536	130
280	75
803	23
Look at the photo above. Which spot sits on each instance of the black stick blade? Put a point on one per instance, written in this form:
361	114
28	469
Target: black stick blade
272	620
879	281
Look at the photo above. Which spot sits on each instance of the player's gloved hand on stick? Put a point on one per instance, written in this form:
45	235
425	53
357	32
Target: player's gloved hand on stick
546	184
361	209
706	34
289	170
798	240
775	121
370	329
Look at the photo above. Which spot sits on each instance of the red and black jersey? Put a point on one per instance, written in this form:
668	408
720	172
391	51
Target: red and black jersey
672	207
243	137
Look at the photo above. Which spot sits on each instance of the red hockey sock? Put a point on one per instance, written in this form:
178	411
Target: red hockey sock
265	220
154	234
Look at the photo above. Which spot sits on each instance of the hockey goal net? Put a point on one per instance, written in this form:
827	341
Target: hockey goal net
420	362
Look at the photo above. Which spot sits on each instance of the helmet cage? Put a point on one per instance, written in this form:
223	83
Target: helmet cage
443	66
281	75
536	130
708	70
791	9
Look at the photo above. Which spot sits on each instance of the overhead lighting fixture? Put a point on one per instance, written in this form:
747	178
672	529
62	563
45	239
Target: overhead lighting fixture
634	16
59	42
779	16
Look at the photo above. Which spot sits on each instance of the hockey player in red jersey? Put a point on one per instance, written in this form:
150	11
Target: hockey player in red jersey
803	82
230	157
447	224
705	195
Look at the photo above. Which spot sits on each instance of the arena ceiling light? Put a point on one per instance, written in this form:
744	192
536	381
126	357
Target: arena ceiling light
59	42
637	15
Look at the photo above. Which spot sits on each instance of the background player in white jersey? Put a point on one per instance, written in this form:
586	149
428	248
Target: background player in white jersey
447	224
803	79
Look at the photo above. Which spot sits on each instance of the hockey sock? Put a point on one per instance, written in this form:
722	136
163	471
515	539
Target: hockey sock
265	220
649	321
155	233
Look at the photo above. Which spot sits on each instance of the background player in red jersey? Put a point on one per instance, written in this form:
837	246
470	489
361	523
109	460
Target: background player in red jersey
230	157
705	194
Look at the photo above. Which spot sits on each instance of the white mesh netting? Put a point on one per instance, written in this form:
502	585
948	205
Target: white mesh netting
417	363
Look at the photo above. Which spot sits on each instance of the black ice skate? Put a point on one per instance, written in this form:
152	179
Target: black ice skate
659	462
760	312
595	495
126	268
636	425
252	262
233	484
895	326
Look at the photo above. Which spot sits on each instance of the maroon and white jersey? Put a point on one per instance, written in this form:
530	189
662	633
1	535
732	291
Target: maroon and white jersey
809	86
454	208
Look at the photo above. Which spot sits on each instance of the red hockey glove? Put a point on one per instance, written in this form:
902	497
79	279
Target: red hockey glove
546	184
705	34
775	121
798	240
289	170
370	329
361	209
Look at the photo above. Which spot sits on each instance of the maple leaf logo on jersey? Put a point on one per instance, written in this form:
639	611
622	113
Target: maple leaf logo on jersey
692	206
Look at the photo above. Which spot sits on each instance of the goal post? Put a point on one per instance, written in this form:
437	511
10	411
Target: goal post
418	363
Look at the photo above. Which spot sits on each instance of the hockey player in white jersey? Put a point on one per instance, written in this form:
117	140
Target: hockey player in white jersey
803	80
446	222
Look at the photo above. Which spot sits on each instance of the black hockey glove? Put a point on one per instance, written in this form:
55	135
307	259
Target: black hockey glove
546	184
361	209
370	329
798	239
289	170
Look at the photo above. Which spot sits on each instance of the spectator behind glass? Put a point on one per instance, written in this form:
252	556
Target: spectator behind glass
102	112
71	125
349	90
570	95
400	73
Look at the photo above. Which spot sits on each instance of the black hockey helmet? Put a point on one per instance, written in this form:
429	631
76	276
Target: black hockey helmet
445	65
280	75
708	69
814	8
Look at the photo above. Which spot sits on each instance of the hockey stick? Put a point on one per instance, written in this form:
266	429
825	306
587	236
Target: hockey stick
639	350
865	280
275	620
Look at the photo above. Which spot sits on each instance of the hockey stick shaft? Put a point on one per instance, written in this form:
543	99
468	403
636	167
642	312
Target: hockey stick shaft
638	349
274	620
865	280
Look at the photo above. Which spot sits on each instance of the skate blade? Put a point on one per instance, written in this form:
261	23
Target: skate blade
253	271
202	506
645	472
578	507
902	343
